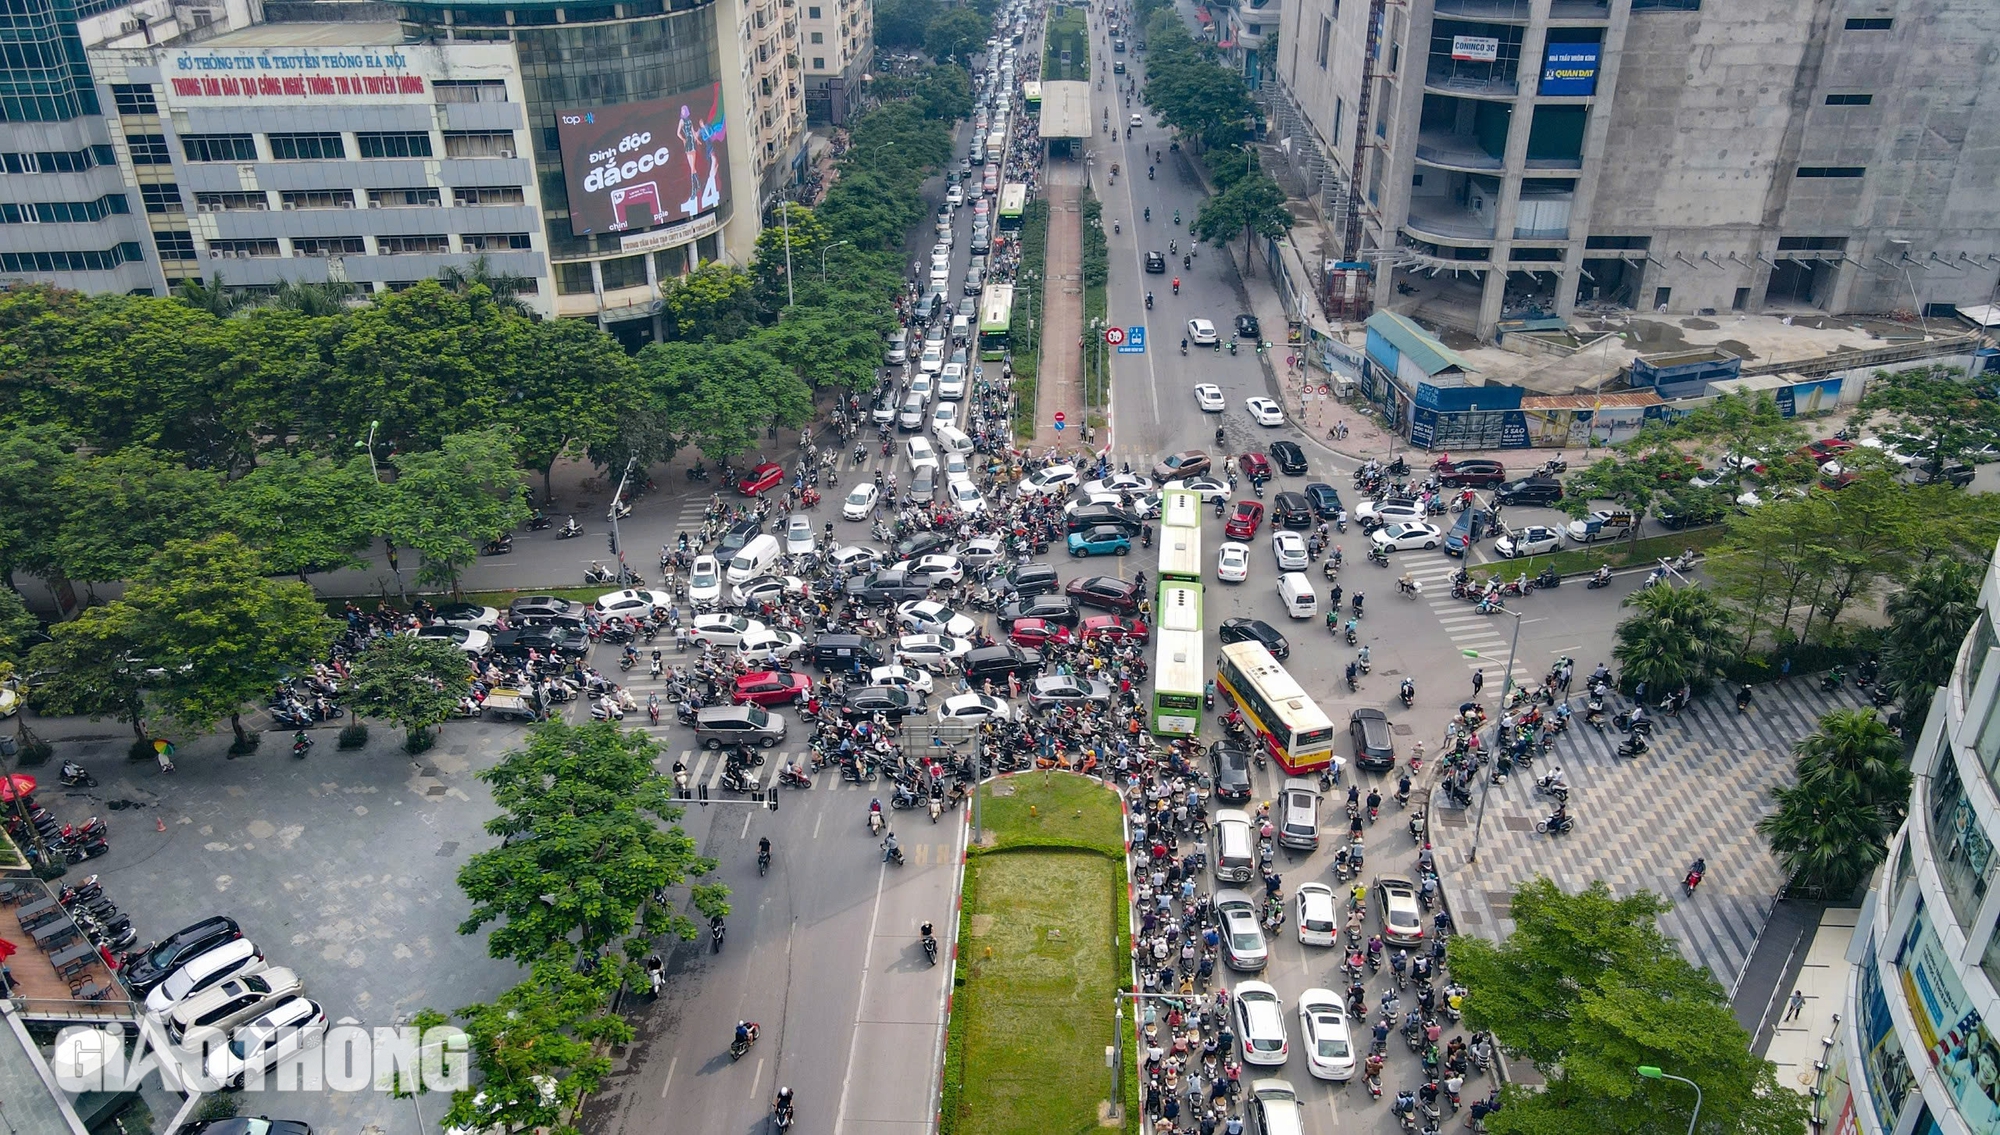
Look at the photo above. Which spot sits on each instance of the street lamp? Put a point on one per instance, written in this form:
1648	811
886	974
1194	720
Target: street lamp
1652	1073
1506	685
822	259
369	445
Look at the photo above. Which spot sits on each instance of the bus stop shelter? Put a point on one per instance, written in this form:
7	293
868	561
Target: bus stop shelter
1065	121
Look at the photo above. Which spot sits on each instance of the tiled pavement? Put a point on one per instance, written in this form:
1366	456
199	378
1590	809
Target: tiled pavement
1699	791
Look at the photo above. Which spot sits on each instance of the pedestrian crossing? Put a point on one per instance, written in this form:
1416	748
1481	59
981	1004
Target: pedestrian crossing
1483	641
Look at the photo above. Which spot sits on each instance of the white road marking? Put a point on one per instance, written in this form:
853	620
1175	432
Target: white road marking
757	1093
817	821
669	1082
745	833
861	997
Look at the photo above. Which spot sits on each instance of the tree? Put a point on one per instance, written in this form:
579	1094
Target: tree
902	23
829	348
711	303
304	513
590	833
1632	478
1205	101
1856	751
31	466
954	36
505	287
422	362
722	397
540	1049
89	669
1587	989
120	508
567	387
1826	836
944	92
413	682
1928	621
447	503
1676	638
1935	414
795	225
209	296
328	298
218	631
1254	206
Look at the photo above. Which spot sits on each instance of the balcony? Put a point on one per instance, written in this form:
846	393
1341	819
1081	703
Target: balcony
1435	217
1448	76
1505	11
1455	151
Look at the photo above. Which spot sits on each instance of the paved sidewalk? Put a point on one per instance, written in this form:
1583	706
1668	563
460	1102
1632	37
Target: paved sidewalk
1059	384
1699	792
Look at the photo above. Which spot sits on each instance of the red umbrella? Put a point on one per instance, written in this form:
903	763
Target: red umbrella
7	949
19	784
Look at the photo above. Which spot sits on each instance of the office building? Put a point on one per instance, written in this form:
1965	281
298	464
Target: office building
1914	1050
839	47
1509	158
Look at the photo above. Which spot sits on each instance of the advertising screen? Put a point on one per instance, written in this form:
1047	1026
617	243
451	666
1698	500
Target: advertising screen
1956	1041
642	164
1570	69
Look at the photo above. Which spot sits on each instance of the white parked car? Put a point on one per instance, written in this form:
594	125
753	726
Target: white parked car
799	538
1290	549
964	496
1201	333
935	568
1208	489
1208	396
1318	922
285	1030
1056	479
849	558
1120	483
207	1018
934	652
1389	512
1232	563
757	646
974	708
860	502
636	603
1406	536
951	383
723	630
1530	540
468	615
1264	411
704	581
1323	1031
774	589
927	616
470	641
1260	1024
902	677
233	958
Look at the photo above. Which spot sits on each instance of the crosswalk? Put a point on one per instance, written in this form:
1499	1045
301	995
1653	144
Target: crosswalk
1482	640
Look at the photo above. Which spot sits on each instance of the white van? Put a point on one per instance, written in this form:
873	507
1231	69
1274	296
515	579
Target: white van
1301	601
951	439
756	558
1235	846
961	328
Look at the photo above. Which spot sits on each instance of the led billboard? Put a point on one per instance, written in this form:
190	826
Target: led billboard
638	165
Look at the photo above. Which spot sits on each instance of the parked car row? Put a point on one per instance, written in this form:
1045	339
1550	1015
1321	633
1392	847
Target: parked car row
218	1000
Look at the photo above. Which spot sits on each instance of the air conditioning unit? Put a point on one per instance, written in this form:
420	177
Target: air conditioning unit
264	206
506	153
374	204
434	202
347	204
289	206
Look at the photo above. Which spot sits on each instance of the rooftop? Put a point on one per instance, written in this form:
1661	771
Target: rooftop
311	35
1065	110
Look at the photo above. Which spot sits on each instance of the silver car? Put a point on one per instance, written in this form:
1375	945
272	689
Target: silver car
1242	938
799	540
1054	690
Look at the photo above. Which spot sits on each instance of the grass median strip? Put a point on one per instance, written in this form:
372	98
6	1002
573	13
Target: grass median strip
1041	955
1620	553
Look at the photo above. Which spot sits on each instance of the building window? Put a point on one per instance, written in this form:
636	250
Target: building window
488	195
1832	171
149	149
63	212
402	198
219	147
819	37
1982	650
49	161
1988	741
1666	5
469	90
1325	42
164	197
819	62
627	272
478	144
496	242
71	261
226	202
1812	244
320	246
573	278
1339	116
408	245
402	144
239	249
1849	100
134	98
1865	23
812	12
307	147
174	245
317	199
1962	852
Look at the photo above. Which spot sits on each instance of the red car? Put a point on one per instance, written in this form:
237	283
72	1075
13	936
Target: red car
1477	472
1825	449
769	475
772	687
1243	524
1255	466
1037	632
1114	628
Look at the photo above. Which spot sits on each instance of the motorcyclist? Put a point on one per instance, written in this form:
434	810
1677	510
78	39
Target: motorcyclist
764	849
890	848
783	1104
746	1032
1603	575
1363	657
1356	600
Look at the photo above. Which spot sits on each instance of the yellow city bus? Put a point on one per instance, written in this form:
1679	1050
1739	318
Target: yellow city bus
1295	731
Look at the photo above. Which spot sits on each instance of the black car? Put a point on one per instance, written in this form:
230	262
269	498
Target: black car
923	543
998	662
733	539
248	1125
151	968
1291	510
884	587
1231	764
1324	499
1032	579
1246	326
1288	457
1374	746
1106	592
892	702
1050	608
1529	490
542	606
1103	516
542	640
1256	630
1155	262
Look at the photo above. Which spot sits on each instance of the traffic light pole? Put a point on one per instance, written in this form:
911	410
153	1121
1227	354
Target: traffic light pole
617	543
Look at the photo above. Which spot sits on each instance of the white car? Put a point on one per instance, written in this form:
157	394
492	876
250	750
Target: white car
927	616
233	958
229	1002
902	677
1208	396
955	465
1290	549
468	615
933	652
920	452
799	538
1404	536
282	1031
1232	563
860	502
1260	1024
1056	479
946	414
846	559
766	589
723	630
1201	333
951	383
1318	921
934	569
1531	540
1264	411
470	641
757	646
932	360
1323	1031
1138	121
1088	499
974	708
1388	512
704	581
1243	945
955	196
636	603
964	496
1208	489
981	550
1120	483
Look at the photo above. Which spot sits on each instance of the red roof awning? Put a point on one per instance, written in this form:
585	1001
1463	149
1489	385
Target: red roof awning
1201	16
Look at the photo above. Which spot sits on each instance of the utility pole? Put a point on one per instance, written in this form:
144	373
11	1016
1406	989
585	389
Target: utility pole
1486	790
617	543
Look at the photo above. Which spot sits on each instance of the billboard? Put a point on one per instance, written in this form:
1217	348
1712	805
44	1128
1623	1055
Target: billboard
1956	1041
1570	69
1475	48
642	164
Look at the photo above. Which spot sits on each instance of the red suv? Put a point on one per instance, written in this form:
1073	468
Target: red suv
1243	523
772	687
1477	472
766	476
1255	466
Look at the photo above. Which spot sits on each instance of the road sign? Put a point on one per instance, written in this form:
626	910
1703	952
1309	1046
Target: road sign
1061	417
1114	335
1059	426
1135	341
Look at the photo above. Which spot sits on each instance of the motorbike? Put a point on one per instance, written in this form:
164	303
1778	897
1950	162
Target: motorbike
794	777
539	520
76	776
300	745
596	574
1691	880
1632	746
893	854
1232	346
1409	693
569	530
715	936
1601	579
1832	679
930	948
1548	578
656	975
498	547
697	472
1559	823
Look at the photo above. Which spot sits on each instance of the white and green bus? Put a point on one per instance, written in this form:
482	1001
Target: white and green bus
996	319
1180	535
1013	203
1178	672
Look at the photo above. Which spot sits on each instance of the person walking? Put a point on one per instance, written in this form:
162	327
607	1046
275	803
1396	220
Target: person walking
1796	1005
1478	682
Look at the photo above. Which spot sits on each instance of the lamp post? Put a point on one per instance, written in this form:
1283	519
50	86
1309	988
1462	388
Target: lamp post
1506	685
1652	1073
822	259
369	445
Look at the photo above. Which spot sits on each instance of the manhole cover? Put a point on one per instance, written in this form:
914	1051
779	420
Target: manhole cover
427	770
1518	823
436	790
448	848
1401	730
1450	819
459	750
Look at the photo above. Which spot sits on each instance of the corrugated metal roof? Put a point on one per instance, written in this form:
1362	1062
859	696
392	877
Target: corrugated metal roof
1065	110
1416	344
1590	401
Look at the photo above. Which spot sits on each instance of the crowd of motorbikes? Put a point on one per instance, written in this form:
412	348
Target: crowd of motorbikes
44	839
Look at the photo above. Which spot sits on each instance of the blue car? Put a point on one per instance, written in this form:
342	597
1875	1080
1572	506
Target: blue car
1099	542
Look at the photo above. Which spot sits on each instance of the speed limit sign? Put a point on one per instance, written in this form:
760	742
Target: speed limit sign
1114	335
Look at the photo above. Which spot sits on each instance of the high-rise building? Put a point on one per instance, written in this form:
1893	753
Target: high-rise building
1507	157
1915	1050
838	42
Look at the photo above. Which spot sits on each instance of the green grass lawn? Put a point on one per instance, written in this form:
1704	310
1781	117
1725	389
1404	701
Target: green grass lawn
1620	553
1067	32
1041	954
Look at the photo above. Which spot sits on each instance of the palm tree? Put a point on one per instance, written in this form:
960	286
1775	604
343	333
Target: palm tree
506	287
1827	835
210	297
1676	638
1855	753
1928	622
329	298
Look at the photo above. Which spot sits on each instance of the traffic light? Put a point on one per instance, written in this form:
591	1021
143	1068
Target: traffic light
611	542
771	799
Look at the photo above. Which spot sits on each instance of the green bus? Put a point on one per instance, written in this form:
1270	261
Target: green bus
1013	202
1180	535
996	319
1178	672
1031	97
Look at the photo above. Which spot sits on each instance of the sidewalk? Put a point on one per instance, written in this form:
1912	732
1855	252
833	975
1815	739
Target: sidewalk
1059	384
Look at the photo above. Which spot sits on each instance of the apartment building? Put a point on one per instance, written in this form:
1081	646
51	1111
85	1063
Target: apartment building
1512	158
839	47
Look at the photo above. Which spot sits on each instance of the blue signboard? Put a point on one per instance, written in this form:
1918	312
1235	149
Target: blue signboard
1570	69
1135	341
